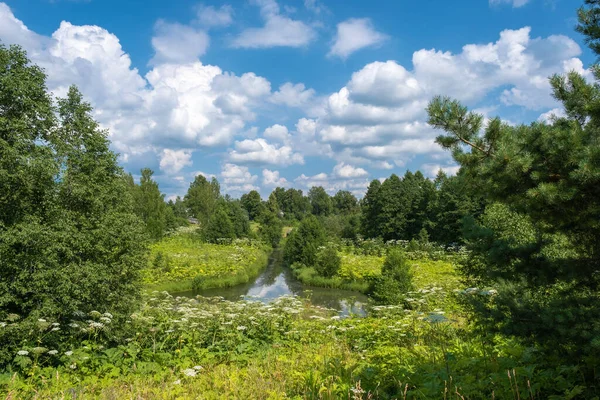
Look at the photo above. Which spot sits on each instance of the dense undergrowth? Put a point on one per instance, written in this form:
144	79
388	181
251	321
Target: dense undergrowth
176	347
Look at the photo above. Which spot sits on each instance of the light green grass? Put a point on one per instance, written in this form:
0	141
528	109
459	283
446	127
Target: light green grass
186	258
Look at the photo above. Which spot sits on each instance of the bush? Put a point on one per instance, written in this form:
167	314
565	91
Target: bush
395	280
303	243
219	227
328	262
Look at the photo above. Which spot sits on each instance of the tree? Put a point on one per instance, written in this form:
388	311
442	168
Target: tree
201	198
219	226
328	262
371	210
395	280
538	244
344	202
320	201
271	228
253	204
303	242
294	204
238	217
69	239
150	206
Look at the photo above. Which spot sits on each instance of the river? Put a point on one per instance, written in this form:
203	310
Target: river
276	281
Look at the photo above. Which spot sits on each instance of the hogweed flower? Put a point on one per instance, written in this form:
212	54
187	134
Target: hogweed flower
22	352
190	372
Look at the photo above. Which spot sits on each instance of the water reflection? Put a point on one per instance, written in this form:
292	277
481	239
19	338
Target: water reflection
276	281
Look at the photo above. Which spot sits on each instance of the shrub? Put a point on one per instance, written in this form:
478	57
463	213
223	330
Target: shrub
303	243
395	280
328	262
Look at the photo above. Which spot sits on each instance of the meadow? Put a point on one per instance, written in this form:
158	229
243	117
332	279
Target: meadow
182	261
209	348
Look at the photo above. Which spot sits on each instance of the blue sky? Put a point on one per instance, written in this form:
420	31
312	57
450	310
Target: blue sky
265	93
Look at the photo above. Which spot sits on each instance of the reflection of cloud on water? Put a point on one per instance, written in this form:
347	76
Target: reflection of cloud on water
276	289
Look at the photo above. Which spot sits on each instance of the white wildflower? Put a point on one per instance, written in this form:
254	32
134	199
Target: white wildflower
177	382
190	372
22	352
53	352
198	368
73	366
241	328
68	353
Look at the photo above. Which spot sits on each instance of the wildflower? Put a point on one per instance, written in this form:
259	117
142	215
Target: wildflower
55	324
177	382
68	353
335	318
73	366
39	350
198	368
55	329
22	352
53	352
74	325
190	372
241	328
107	315
2	324
41	320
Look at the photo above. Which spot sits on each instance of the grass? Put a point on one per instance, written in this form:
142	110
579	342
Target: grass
182	261
356	269
211	349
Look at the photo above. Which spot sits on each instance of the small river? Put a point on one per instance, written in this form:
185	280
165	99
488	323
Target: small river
276	281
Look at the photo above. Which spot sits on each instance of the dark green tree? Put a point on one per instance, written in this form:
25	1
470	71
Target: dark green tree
253	204
344	202
69	239
238	217
320	201
371	206
202	197
150	206
219	226
328	262
271	228
395	280
303	242
538	245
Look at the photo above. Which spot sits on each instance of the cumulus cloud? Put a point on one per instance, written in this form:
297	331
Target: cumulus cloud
345	171
261	152
278	30
272	179
176	43
278	133
293	95
210	16
355	34
172	161
238	179
549	116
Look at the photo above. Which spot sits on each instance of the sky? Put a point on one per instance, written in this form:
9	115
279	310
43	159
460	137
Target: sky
294	93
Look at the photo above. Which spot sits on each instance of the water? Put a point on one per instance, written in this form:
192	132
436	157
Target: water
276	281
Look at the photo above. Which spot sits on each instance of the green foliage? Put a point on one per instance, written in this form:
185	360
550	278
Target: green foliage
270	228
202	198
303	243
69	240
320	201
219	226
539	245
253	204
182	256
149	205
344	202
328	262
395	280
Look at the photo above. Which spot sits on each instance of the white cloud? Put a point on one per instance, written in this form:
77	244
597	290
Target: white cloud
355	34
237	180
514	3
278	133
345	171
272	179
431	170
550	115
172	161
259	151
278	31
293	95
176	43
210	16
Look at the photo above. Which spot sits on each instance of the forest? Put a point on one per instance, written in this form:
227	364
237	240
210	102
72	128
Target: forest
483	284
